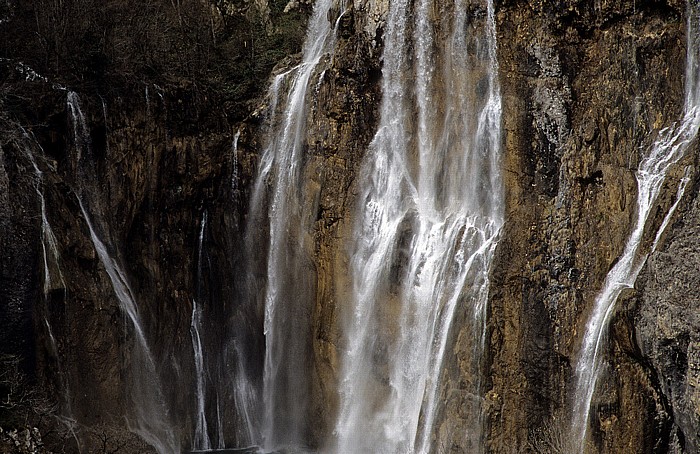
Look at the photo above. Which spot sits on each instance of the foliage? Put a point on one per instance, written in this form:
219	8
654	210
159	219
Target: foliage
550	439
20	402
224	48
29	421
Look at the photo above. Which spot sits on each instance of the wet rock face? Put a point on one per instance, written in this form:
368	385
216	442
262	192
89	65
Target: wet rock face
19	276
668	326
585	87
152	183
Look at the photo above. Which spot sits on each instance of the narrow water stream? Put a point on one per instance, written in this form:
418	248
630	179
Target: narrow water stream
148	414
666	151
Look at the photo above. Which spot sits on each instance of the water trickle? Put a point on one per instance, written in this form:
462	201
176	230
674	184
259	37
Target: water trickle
278	201
81	136
246	400
148	414
234	157
201	435
220	443
53	276
49	244
427	227
667	150
104	119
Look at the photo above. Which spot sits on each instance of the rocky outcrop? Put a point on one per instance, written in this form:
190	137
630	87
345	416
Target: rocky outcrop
341	128
666	327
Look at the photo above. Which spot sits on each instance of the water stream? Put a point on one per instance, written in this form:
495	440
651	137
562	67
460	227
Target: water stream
428	217
234	163
280	202
427	225
148	414
201	434
52	277
666	151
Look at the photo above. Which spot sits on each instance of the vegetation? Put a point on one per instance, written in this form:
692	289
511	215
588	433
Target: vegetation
550	439
221	48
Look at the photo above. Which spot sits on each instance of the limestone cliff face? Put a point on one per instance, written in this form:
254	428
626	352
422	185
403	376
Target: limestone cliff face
666	327
163	160
153	182
586	86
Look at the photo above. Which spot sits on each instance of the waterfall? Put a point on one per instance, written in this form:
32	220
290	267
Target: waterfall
280	203
49	244
220	444
148	414
426	229
149	418
245	398
667	150
52	277
51	259
201	435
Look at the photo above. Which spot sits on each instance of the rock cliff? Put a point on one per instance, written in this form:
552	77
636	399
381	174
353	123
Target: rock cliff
587	86
176	116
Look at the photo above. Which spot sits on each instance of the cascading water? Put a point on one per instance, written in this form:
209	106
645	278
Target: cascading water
280	202
53	276
49	244
148	418
427	226
201	435
245	398
49	248
148	414
666	151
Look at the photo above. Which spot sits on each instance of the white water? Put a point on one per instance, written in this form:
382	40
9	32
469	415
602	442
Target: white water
428	219
51	259
220	443
234	154
80	132
278	197
668	149
201	434
49	244
246	400
53	278
148	414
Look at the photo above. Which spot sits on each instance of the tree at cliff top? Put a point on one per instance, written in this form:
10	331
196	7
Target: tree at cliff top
223	48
